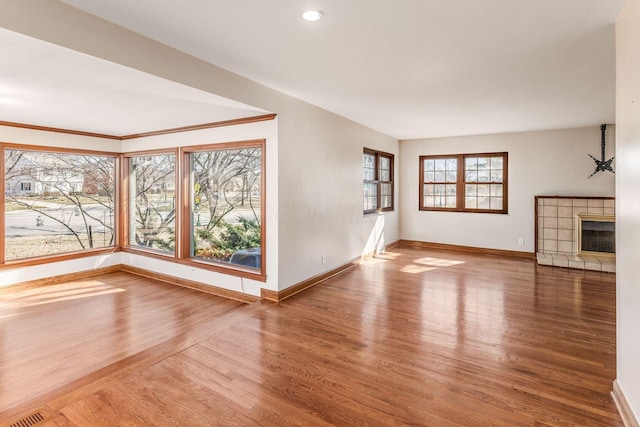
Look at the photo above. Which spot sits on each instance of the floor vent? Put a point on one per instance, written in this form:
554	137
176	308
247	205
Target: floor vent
28	421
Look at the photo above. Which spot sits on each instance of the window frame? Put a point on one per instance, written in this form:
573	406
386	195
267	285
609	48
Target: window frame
378	155
461	183
126	203
121	213
183	241
63	256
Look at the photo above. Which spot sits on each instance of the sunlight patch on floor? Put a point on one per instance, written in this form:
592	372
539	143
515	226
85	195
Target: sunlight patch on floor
4	316
379	258
372	260
415	269
421	265
388	255
437	262
56	293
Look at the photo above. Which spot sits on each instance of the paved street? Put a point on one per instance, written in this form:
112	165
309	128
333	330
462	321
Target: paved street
51	221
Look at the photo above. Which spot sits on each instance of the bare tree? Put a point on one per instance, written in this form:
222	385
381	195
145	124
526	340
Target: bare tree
12	164
225	180
153	175
221	178
56	190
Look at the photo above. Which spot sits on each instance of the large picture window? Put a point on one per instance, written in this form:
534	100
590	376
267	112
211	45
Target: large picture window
152	201
57	202
464	183
201	205
377	173
226	203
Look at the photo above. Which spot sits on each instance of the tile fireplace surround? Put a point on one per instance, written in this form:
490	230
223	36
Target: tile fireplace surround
556	221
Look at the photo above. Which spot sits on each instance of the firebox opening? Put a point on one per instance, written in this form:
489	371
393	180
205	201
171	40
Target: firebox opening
597	235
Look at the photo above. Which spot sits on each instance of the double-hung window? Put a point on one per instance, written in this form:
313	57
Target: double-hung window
377	171
464	183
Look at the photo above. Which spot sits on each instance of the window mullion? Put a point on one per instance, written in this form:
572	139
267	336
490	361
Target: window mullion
185	207
378	183
460	185
3	207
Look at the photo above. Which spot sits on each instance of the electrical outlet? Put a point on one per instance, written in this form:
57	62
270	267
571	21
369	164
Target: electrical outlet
324	259
521	241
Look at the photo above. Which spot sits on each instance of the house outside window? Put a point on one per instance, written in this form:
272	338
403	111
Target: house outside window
57	202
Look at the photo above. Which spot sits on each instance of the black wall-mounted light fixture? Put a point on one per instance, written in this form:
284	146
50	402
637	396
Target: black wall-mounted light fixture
602	164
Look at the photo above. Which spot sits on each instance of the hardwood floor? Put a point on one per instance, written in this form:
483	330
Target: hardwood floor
60	334
415	337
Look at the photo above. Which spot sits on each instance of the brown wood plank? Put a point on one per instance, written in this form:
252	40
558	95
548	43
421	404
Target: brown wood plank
54	335
413	337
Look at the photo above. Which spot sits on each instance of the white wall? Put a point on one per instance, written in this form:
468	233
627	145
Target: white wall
553	162
11	276
321	195
628	202
319	153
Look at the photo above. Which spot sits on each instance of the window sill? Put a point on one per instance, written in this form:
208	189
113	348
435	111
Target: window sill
201	264
474	211
47	259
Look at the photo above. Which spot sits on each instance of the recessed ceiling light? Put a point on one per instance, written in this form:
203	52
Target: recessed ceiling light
312	15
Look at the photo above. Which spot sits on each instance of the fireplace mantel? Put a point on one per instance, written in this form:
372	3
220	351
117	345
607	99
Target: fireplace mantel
556	222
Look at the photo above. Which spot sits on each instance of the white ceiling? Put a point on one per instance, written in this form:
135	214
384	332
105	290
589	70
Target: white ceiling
408	68
47	85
